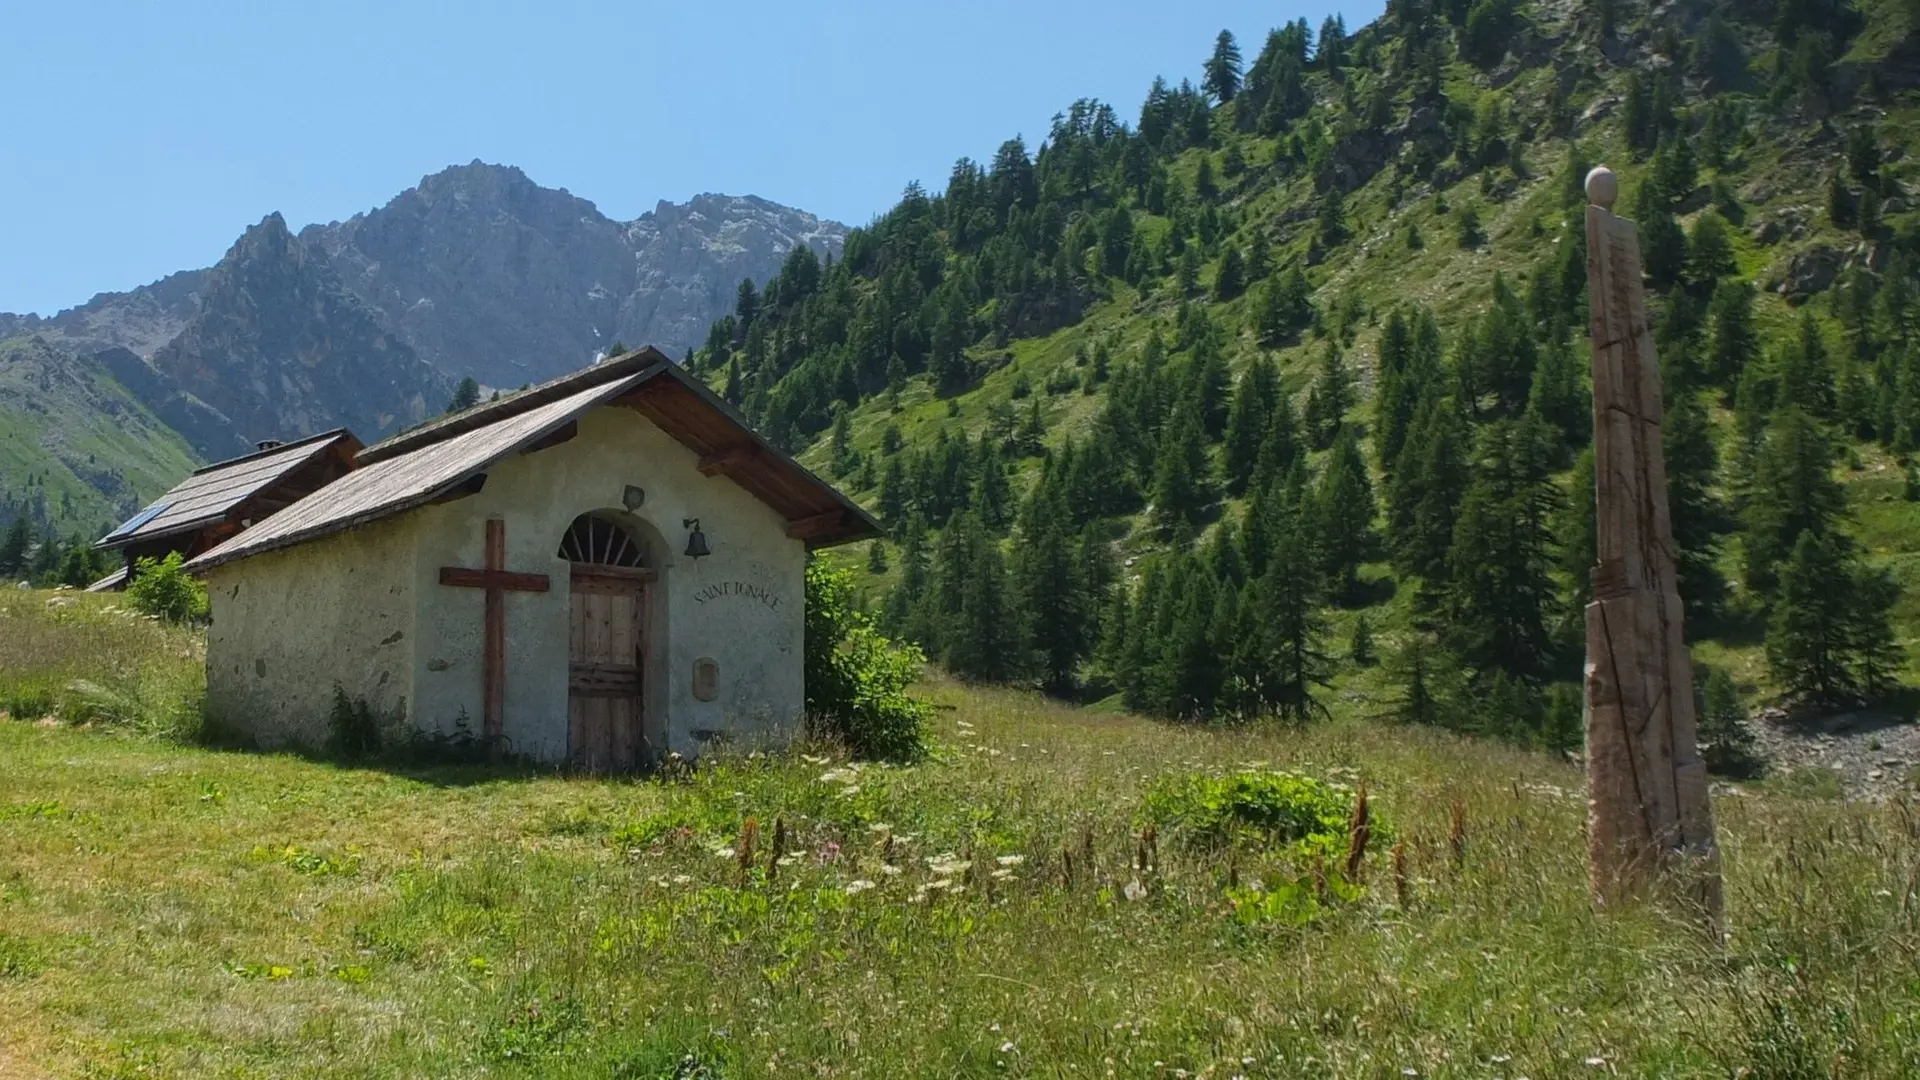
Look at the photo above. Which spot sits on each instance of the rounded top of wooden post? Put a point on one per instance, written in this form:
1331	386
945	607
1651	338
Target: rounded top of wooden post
1602	187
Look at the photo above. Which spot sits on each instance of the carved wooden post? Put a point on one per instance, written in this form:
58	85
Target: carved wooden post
1648	818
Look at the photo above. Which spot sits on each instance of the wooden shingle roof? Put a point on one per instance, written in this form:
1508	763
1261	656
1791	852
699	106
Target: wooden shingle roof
437	460
212	493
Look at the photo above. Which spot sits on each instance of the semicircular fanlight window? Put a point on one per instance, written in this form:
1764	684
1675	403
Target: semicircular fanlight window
600	542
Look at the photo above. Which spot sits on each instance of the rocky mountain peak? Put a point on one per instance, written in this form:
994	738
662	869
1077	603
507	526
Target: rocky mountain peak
282	348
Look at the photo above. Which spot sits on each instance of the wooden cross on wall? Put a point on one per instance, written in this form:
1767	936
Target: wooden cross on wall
497	581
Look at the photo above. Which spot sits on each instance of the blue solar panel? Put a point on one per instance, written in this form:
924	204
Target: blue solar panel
139	519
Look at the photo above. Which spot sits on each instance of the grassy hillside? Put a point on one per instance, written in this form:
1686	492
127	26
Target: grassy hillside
77	451
1407	133
999	910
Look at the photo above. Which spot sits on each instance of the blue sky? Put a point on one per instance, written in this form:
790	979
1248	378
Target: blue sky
141	138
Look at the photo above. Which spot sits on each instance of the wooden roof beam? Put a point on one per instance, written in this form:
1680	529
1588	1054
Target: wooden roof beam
818	525
729	460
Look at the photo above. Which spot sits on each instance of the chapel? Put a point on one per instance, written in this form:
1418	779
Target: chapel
600	571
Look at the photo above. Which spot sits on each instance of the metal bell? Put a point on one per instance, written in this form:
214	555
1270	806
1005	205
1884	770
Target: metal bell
696	540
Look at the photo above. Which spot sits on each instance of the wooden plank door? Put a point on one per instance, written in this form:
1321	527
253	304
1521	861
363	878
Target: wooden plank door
605	710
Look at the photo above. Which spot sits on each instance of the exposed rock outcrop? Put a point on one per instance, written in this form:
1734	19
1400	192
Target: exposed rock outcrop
282	348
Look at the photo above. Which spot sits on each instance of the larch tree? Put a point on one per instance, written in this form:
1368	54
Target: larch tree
1222	75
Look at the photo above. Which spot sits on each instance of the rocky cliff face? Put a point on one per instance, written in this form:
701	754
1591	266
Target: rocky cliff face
281	348
486	273
141	320
689	260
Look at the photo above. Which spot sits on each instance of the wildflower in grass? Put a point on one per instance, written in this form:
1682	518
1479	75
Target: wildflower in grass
828	852
948	864
890	870
854	888
1011	860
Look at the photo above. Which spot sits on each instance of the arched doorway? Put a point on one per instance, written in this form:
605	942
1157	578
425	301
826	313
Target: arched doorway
609	642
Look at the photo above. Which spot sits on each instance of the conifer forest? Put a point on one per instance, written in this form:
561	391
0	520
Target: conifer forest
1285	372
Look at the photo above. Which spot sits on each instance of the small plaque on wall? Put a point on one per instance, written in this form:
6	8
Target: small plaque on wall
706	679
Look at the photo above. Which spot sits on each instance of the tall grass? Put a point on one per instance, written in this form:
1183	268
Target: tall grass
1052	893
89	659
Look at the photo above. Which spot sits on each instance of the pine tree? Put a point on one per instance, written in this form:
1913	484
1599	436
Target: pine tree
1230	279
746	306
1182	479
1429	483
1697	516
841	446
1329	398
1330	229
1343	517
1578	531
1732	341
1809	634
983	639
1563	727
877	556
1415	668
1254	400
1222	78
1056	604
1259	256
1360	645
1710	250
1501	594
1663	244
466	394
13	550
1806	371
1726	739
1288	634
44	567
1793	492
1214	383
1280	447
908	613
1559	397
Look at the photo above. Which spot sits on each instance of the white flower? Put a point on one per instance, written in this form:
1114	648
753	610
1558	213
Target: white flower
890	870
1003	875
1134	890
850	791
1007	1047
724	851
948	864
682	879
1011	860
1595	1062
860	886
812	760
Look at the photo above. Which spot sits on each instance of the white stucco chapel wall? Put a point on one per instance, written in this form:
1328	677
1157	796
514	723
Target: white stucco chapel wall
291	625
741	607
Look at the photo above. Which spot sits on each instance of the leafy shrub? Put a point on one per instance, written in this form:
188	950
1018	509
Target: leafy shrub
162	588
354	730
857	679
1267	805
